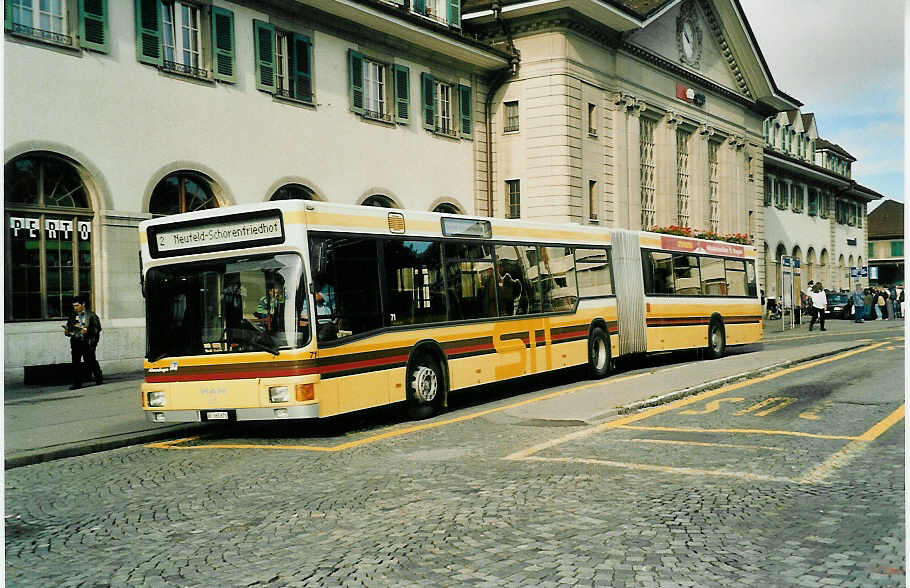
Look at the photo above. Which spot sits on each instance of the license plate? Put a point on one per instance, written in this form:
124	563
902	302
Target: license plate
217	415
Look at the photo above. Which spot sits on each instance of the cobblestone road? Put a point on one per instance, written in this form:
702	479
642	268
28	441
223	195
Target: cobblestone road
786	481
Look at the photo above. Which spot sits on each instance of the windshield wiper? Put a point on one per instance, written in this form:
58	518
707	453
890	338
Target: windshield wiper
161	355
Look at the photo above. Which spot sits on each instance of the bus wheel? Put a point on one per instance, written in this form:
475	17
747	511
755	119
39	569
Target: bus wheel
426	388
717	339
598	353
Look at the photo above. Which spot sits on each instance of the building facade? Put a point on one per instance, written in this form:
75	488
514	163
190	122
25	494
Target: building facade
629	114
814	210
119	111
886	243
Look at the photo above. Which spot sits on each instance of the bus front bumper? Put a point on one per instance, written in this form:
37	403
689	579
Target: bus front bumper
307	411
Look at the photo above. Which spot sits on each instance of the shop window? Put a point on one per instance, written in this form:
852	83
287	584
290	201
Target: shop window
379	201
49	237
293	192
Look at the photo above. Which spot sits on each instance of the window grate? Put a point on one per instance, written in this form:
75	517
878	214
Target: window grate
713	192
648	207
373	115
42	34
682	177
182	68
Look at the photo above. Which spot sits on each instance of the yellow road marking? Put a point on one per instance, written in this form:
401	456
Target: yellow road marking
665	469
756	406
711	406
697	443
784	402
812	413
883	425
740	431
389	434
852	450
525	453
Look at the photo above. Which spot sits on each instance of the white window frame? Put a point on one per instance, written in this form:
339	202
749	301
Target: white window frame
282	61
34	6
374	89
443	108
507	107
175	23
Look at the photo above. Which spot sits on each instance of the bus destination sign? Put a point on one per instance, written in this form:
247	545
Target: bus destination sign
226	234
702	246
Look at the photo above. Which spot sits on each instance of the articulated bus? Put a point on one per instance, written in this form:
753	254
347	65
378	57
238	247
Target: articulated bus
303	309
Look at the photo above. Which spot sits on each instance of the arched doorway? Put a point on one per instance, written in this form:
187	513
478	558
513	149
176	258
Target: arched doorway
182	191
798	279
778	253
49	245
810	265
841	272
823	268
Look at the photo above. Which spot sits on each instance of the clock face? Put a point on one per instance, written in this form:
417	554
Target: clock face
687	37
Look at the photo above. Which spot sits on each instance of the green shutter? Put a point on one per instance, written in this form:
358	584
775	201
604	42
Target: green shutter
402	94
420	6
264	41
454	13
223	44
466	106
93	25
426	89
302	69
8	15
355	69
148	31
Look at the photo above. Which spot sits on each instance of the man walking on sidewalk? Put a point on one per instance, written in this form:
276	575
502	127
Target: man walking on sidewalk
84	330
858	304
819	302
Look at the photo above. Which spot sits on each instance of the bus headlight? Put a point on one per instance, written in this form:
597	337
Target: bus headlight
156	398
279	394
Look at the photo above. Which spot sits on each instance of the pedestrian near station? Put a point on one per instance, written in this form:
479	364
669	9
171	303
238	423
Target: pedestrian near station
858	304
819	302
84	331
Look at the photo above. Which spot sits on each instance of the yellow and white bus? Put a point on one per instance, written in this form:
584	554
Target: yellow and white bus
302	309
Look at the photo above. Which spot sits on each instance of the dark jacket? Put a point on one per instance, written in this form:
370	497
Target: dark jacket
92	333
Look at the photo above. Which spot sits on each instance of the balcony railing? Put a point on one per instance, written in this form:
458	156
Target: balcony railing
298	96
447	131
373	115
187	70
42	34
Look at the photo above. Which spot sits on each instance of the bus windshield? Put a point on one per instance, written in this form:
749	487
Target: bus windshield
232	305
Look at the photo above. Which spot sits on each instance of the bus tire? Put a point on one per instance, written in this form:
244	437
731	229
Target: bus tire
717	339
598	353
426	387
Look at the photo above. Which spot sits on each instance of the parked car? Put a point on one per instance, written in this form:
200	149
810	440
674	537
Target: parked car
840	306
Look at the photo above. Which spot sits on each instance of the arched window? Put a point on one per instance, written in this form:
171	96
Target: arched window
49	237
380	201
293	192
181	192
447	208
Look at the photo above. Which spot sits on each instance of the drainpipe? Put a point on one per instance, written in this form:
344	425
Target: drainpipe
498	80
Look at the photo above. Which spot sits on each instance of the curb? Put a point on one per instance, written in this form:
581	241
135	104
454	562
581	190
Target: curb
89	446
691	390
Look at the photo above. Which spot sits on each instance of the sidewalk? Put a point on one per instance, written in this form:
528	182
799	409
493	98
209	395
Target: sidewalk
51	422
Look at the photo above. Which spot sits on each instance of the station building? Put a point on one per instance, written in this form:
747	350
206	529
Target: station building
886	242
630	114
814	210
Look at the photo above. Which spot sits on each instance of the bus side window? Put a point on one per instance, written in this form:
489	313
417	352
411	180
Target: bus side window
414	291
686	275
736	277
592	273
750	278
555	265
517	296
346	297
470	282
661	272
713	278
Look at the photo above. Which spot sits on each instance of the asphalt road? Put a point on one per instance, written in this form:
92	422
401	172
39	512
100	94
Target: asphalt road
794	478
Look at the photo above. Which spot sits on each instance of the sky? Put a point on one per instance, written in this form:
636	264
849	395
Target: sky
844	60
